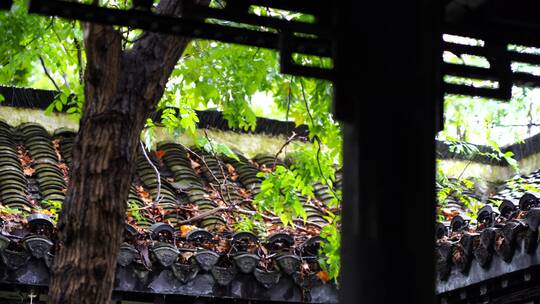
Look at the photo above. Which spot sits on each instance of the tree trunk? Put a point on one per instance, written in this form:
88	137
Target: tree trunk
122	87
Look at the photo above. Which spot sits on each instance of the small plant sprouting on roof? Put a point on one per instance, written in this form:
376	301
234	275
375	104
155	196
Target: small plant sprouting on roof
5	210
53	208
134	211
254	224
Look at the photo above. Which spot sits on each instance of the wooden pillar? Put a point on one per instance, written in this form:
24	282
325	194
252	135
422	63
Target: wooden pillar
386	95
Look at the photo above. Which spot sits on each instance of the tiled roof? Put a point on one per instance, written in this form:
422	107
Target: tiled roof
499	239
163	252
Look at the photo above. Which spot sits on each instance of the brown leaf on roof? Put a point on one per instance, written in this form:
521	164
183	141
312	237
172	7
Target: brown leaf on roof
56	145
214	195
143	194
311	230
160	154
263	168
29	171
499	242
449	214
195	165
65	171
244	193
271	227
185	229
232	172
264	250
323	276
26	161
254	163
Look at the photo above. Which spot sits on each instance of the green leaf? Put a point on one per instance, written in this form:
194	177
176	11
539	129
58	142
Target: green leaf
58	105
223	149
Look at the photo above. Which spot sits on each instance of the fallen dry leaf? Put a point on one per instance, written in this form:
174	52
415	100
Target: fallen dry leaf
449	214
56	144
195	165
26	161
65	171
264	250
323	276
185	229
29	171
244	193
265	169
160	154
232	172
145	196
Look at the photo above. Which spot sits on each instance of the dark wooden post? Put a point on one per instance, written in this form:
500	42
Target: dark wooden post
386	94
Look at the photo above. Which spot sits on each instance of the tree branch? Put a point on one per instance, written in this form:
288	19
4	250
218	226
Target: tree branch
202	215
287	142
79	59
224	184
158	175
318	140
48	74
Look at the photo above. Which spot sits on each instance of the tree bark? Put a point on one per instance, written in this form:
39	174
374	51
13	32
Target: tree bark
122	87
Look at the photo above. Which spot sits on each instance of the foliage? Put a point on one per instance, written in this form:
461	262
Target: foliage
279	195
308	167
46	52
460	189
497	154
331	261
148	134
